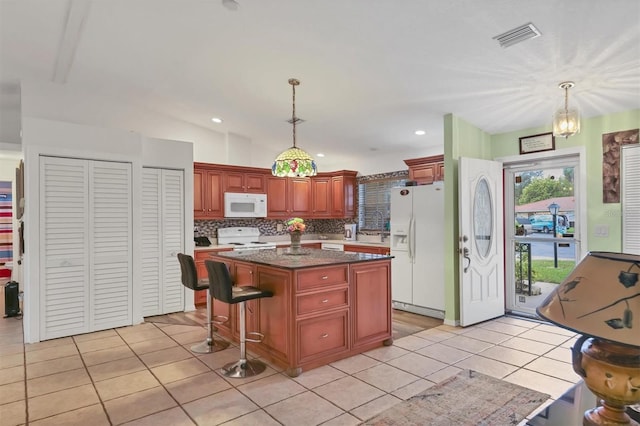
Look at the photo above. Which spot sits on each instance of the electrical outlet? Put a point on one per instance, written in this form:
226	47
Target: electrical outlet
279	227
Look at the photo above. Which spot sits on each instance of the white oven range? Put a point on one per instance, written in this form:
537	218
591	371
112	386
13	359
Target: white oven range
243	239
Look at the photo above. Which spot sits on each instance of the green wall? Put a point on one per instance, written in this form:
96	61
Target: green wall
460	140
590	136
464	140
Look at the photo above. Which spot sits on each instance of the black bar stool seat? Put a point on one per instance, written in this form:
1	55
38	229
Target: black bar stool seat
221	285
190	280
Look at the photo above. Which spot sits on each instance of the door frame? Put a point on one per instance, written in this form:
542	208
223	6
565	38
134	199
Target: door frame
580	179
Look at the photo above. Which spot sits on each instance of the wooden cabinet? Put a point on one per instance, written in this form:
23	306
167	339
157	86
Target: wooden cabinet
244	274
312	245
426	170
367	249
343	189
239	181
370	302
208	201
321	201
288	197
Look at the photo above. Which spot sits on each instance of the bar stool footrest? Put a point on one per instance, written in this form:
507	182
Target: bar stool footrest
219	319
255	337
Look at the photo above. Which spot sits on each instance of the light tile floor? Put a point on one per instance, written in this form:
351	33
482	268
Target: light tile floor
146	375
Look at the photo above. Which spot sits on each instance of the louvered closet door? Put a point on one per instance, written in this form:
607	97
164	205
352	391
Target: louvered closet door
162	240
151	242
630	191
173	239
110	207
64	247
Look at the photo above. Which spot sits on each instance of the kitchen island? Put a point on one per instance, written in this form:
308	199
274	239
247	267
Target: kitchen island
326	305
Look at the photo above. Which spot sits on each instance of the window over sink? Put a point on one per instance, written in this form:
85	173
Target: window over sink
374	199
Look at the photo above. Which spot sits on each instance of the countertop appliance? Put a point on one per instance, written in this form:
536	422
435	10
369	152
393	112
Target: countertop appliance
243	238
417	244
238	204
350	231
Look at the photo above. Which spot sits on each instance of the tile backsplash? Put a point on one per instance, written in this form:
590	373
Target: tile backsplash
269	227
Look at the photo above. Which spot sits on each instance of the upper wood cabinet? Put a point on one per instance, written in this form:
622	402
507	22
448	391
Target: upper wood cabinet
288	197
426	170
208	201
343	194
240	181
327	195
321	196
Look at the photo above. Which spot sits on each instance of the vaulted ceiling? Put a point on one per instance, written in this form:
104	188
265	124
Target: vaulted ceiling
372	71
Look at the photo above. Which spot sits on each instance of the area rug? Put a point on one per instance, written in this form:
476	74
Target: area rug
468	398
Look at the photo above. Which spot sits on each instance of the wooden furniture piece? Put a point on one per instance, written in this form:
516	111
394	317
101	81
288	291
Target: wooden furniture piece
326	305
222	288
327	195
426	170
189	276
200	297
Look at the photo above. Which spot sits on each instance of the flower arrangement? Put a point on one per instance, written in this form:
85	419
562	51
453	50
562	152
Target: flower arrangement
295	225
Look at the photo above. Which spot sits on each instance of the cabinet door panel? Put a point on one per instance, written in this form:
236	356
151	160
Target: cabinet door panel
321	197
322	335
370	297
300	201
234	182
199	193
254	182
214	198
277	197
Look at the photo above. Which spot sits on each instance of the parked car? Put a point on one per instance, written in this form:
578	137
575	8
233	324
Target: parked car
544	223
523	226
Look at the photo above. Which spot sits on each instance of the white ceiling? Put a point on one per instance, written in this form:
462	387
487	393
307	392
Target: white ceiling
372	71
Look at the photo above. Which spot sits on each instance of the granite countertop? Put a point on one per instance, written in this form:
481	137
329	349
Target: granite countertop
286	242
305	258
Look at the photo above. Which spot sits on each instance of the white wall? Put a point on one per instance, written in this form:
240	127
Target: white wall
55	138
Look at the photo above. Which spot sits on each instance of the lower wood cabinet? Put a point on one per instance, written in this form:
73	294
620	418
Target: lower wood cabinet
322	335
317	315
200	297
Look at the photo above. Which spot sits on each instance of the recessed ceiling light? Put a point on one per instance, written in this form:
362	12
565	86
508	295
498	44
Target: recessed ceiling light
420	132
216	120
320	154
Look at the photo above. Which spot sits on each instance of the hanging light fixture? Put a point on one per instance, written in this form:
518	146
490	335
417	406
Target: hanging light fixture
566	122
294	162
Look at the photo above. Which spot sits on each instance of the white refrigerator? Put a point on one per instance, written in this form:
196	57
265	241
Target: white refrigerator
417	244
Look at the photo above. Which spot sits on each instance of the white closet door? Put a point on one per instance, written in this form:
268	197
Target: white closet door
162	240
151	242
64	247
110	204
630	196
173	239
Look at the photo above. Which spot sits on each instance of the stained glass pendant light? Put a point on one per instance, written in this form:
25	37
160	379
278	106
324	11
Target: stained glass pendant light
566	122
294	162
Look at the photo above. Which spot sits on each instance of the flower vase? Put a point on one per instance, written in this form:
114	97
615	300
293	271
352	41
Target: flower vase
295	241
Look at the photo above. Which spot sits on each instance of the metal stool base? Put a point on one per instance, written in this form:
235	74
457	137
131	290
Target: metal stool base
207	348
243	368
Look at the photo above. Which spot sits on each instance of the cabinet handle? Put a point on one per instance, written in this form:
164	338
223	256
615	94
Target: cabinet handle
324	336
325	301
325	277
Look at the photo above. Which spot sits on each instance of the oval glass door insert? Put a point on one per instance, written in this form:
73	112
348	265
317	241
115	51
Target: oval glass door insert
483	218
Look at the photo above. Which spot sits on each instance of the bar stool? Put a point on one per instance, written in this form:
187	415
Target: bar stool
190	280
221	285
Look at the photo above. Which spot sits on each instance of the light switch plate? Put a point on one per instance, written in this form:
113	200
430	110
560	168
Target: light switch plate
602	230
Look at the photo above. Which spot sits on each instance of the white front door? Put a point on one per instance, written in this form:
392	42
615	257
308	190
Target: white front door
481	240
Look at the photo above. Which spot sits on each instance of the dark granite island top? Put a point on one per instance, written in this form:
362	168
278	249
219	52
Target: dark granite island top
326	305
304	258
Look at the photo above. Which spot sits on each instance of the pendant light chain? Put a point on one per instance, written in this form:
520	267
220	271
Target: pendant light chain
293	83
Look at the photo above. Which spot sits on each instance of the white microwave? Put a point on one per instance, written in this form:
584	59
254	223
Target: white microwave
245	205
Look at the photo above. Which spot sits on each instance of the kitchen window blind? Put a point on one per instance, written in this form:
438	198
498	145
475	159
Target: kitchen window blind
374	203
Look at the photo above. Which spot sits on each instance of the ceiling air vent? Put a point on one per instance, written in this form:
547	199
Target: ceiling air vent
517	35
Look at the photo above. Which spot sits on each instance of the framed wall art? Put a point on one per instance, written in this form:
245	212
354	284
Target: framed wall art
537	143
